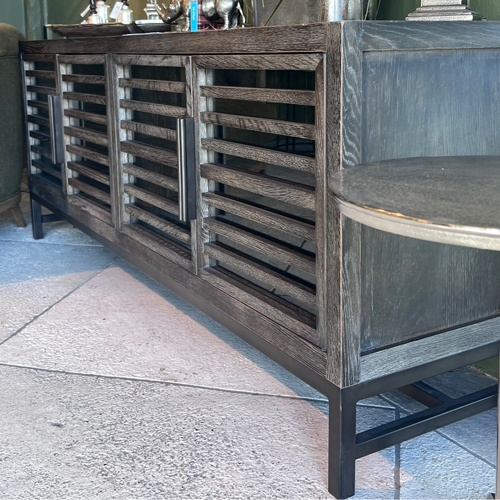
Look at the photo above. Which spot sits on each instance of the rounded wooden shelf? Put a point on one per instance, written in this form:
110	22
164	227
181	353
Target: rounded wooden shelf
452	200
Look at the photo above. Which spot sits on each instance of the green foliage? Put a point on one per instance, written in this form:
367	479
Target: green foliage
274	11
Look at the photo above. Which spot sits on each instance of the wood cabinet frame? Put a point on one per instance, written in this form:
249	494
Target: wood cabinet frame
349	57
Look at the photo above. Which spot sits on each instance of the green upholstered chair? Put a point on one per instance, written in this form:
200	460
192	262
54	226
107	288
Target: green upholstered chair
11	125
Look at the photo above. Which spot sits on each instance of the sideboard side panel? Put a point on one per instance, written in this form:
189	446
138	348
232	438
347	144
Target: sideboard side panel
427	103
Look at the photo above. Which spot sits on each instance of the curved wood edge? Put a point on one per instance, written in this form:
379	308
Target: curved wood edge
483	239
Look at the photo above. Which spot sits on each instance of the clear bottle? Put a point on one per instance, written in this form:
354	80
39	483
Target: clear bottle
126	15
103	11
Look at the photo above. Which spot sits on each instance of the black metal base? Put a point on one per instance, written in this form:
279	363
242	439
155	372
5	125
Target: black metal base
345	445
38	220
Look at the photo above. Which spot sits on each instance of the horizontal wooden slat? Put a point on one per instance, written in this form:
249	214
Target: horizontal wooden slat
152	153
288	160
81	97
41	90
38	104
297	320
259	94
42	151
144	60
92	79
262	245
41	74
162	246
261	272
153	177
292	129
39	57
89	172
88	154
295	62
169	228
288	192
87	135
152	199
38	120
41	136
84	115
160	85
262	216
90	190
444	345
100	212
82	59
48	169
152	130
305	39
156	109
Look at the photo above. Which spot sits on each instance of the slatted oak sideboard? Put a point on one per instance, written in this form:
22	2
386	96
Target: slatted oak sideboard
204	158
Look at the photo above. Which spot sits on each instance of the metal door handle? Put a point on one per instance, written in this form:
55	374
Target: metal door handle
56	128
186	162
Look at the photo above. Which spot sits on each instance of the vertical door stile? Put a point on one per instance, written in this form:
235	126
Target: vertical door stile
190	111
118	178
61	87
321	207
66	86
123	71
205	130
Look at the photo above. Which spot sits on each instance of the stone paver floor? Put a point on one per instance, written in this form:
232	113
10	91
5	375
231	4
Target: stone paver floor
113	387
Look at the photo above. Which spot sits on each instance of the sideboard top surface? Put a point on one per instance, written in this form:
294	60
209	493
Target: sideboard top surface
319	37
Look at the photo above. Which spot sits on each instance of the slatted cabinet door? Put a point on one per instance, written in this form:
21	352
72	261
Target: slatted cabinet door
41	81
258	167
154	92
85	120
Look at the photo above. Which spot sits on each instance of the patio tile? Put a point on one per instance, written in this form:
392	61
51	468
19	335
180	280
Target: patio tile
461	382
435	468
123	323
21	302
20	261
476	434
121	439
34	277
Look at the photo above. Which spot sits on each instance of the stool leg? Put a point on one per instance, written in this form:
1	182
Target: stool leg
18	217
36	219
342	446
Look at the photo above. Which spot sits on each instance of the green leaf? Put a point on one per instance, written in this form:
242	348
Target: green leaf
274	11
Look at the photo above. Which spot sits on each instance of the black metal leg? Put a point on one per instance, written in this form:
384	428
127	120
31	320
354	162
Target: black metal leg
36	219
342	445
